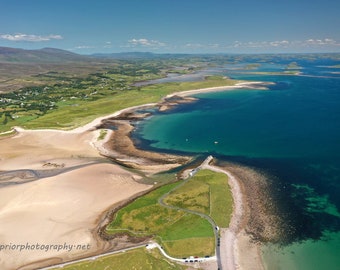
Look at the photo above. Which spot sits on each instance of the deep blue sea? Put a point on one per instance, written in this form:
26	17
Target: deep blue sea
291	131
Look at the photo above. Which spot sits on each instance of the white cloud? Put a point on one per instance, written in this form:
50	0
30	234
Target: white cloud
214	45
280	43
326	41
200	46
261	44
30	38
107	45
83	47
143	42
194	45
286	44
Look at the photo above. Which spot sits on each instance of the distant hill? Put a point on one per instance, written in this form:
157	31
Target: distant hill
125	55
136	55
52	55
21	68
45	55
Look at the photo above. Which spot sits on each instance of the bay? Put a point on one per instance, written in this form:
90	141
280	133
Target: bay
291	131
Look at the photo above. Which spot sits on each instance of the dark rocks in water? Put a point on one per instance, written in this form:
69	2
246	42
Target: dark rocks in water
264	220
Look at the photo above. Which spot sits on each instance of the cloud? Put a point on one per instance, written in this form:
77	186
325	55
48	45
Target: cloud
326	41
261	44
279	43
108	44
199	46
30	38
83	47
194	45
143	42
286	44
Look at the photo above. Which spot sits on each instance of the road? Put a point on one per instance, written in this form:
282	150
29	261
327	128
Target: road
90	258
151	245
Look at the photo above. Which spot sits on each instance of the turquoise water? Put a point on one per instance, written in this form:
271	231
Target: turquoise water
291	131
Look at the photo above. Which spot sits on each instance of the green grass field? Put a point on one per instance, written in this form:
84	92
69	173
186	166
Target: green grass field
207	192
145	216
194	195
138	259
187	247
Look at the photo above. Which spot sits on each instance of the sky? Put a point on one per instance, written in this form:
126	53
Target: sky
172	26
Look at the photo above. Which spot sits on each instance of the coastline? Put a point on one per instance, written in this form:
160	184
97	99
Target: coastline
236	245
150	164
241	251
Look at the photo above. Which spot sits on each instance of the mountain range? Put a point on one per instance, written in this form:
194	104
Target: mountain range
45	55
52	55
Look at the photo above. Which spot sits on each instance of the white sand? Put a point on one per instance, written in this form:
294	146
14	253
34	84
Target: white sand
242	85
60	209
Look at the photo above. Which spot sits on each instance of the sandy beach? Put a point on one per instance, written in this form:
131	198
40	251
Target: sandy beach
242	85
65	204
58	184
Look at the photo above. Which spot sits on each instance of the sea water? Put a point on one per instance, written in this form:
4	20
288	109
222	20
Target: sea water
291	131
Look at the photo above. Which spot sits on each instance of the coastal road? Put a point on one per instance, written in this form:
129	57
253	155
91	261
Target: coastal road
151	245
88	259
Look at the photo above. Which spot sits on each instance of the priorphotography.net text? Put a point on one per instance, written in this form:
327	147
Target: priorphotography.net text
59	247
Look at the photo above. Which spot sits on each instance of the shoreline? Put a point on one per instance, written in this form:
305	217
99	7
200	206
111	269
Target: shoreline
92	129
242	85
239	251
